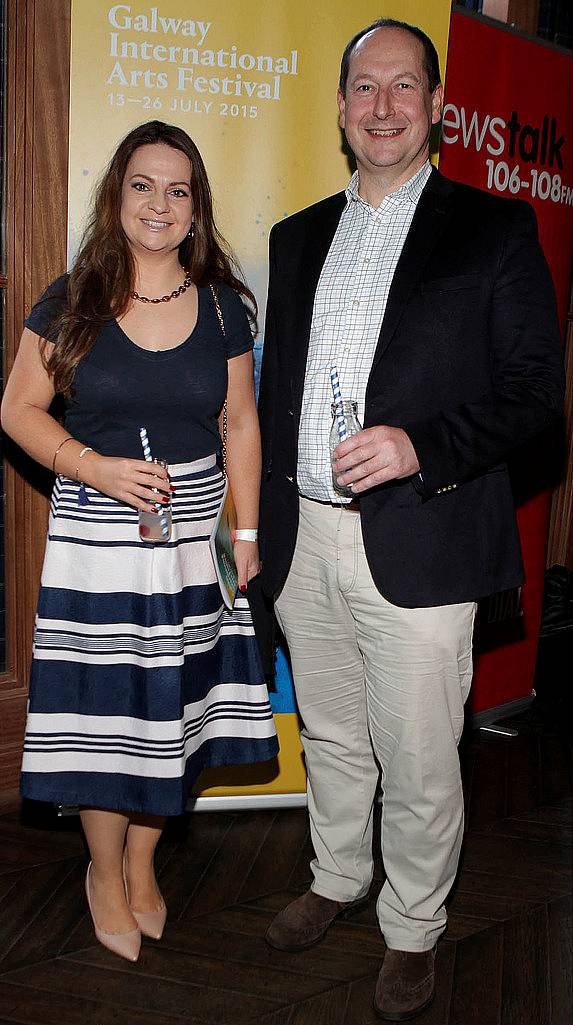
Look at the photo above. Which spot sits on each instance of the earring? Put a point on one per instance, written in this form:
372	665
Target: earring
191	232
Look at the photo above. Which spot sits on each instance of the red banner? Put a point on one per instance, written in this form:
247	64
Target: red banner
507	128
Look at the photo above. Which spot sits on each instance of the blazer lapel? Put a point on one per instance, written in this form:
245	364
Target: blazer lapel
319	238
429	221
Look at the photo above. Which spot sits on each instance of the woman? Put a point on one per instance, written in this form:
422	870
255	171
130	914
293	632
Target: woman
140	678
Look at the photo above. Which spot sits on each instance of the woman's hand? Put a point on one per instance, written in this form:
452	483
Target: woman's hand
247	561
128	480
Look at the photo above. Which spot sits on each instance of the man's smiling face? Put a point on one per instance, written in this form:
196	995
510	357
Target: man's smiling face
387	110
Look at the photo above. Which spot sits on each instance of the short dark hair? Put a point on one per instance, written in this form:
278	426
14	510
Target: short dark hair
431	59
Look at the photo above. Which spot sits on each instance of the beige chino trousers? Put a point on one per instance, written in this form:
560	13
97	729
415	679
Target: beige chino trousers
381	691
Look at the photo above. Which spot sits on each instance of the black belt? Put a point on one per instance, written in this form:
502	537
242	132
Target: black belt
353	506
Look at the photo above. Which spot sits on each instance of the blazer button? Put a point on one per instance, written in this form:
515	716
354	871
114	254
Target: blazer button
290	479
291	412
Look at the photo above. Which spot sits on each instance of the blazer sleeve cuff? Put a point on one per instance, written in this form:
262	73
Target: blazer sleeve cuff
434	478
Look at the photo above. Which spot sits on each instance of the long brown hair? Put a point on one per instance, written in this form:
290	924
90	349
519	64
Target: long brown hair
103	277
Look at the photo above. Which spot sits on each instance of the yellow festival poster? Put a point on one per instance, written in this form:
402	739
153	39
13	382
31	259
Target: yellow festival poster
254	84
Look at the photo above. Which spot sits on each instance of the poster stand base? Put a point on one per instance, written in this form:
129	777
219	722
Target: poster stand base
491	715
247	802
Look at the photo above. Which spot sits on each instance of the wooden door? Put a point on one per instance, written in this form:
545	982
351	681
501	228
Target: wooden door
36	151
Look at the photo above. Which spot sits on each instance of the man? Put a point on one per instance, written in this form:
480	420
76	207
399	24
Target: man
434	302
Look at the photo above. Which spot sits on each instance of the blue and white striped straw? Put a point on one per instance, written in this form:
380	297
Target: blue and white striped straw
340	418
149	459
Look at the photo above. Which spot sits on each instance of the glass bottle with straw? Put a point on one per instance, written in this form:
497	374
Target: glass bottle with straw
154	527
345	423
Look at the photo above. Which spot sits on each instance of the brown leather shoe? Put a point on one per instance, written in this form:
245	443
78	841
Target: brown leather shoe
405	985
305	920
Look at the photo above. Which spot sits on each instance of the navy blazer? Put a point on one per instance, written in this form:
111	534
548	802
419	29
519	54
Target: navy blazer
468	362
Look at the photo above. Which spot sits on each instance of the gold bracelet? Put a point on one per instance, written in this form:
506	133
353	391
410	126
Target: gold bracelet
82	453
56	453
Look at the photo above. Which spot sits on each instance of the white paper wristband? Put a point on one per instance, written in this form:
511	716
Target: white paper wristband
246	535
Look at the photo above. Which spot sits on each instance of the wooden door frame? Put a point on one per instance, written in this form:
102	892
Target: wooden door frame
37	101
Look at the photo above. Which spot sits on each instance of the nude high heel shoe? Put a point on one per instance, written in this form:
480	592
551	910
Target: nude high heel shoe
151	923
125	944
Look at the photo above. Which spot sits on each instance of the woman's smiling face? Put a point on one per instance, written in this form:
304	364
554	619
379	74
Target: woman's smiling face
156	204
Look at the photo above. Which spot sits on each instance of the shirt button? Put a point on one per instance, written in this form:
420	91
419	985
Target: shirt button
366	259
356	302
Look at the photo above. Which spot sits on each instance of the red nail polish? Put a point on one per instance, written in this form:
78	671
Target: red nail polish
243	589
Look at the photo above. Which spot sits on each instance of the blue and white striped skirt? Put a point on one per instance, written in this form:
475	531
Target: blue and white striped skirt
140	677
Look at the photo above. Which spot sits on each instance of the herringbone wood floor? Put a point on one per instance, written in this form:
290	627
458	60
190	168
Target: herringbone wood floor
505	959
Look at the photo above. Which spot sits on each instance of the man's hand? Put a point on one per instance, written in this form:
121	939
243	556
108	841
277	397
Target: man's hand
374	456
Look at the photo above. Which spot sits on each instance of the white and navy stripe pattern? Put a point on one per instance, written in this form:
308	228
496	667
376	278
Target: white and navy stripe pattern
349	307
140	678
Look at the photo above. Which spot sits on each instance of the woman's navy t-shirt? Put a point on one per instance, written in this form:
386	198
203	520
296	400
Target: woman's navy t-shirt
177	394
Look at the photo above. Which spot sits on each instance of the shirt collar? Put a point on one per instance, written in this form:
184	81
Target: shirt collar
410	190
